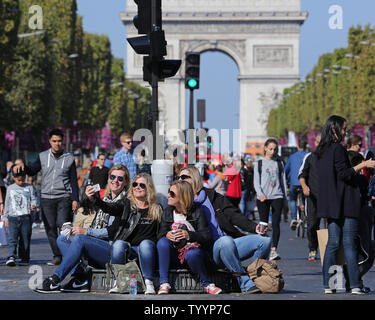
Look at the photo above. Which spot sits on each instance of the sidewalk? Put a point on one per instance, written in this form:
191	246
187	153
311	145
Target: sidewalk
303	279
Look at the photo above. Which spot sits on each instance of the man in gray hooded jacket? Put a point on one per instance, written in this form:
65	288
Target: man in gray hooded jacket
59	192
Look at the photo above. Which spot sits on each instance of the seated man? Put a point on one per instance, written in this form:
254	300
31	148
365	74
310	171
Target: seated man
236	237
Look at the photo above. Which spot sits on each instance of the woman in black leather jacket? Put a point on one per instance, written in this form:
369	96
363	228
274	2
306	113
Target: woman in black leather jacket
183	233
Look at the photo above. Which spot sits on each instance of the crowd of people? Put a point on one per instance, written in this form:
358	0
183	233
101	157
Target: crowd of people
108	211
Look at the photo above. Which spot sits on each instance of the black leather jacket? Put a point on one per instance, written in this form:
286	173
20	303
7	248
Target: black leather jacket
196	218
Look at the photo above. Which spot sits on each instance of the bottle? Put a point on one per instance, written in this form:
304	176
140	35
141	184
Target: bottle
133	285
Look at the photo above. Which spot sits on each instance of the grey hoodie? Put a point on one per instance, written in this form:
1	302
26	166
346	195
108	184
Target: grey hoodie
59	175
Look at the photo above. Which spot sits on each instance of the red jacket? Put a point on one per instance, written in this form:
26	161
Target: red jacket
234	183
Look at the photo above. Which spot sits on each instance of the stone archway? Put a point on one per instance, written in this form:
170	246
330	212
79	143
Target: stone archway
261	36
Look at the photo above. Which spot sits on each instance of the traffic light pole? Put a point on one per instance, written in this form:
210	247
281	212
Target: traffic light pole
191	110
154	82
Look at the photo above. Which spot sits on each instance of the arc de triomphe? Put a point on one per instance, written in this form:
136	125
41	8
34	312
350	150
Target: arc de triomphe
261	36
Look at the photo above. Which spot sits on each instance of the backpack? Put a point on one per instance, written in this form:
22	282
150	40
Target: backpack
266	275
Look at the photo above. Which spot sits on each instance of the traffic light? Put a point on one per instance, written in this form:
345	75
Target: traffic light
166	68
142	21
154	40
192	62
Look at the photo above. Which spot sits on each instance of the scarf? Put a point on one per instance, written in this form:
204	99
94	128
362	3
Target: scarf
209	213
101	219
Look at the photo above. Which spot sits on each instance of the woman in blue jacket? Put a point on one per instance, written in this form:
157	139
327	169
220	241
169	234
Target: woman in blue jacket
339	201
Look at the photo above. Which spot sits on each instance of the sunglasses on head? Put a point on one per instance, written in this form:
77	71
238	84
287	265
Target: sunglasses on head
171	193
119	178
142	185
183	177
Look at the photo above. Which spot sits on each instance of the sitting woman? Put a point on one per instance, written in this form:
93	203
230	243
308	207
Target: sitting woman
92	221
183	233
93	242
136	238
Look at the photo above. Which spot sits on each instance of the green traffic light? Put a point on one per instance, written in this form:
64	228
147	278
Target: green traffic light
192	83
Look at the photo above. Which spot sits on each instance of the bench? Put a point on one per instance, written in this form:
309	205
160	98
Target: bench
181	281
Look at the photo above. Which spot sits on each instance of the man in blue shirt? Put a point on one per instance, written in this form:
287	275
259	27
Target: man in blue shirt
291	172
126	156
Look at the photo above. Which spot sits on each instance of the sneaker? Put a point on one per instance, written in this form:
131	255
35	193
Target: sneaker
253	289
293	224
149	287
274	255
329	291
75	285
24	263
164	288
55	262
360	291
313	255
11	262
50	285
212	289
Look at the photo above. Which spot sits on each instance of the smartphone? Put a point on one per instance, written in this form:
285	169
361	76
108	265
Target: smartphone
96	187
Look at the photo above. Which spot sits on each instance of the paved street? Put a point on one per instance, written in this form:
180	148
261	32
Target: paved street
302	277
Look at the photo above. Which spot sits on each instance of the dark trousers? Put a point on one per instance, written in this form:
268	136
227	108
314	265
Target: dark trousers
20	233
264	210
313	222
55	213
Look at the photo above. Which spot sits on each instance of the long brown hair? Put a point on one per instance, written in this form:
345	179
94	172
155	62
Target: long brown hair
269	141
186	195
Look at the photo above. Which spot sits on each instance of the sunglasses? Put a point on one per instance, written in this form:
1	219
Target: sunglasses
183	177
128	142
119	178
142	185
171	193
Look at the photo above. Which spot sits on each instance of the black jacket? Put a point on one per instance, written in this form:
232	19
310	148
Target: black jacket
230	218
338	192
309	172
196	218
126	218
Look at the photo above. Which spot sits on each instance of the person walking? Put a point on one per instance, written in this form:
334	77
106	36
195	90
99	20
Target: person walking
126	155
308	177
20	200
59	192
339	200
270	184
292	167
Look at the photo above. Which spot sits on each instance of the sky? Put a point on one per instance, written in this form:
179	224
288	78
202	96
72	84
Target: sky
317	37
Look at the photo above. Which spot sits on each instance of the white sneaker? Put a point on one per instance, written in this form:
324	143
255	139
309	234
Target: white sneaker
115	288
274	255
149	287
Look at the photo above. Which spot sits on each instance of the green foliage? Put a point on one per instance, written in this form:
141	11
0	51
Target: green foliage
63	75
342	83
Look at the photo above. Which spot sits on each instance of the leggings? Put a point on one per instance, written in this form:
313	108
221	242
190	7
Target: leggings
264	209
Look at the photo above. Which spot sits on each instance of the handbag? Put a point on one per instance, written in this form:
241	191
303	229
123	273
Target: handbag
266	275
122	274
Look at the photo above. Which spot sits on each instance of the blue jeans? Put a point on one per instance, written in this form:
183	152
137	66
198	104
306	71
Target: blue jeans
229	252
20	234
146	252
97	251
293	202
347	229
194	257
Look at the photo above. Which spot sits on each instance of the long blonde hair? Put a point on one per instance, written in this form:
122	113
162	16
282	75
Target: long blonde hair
126	177
196	178
154	209
186	195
